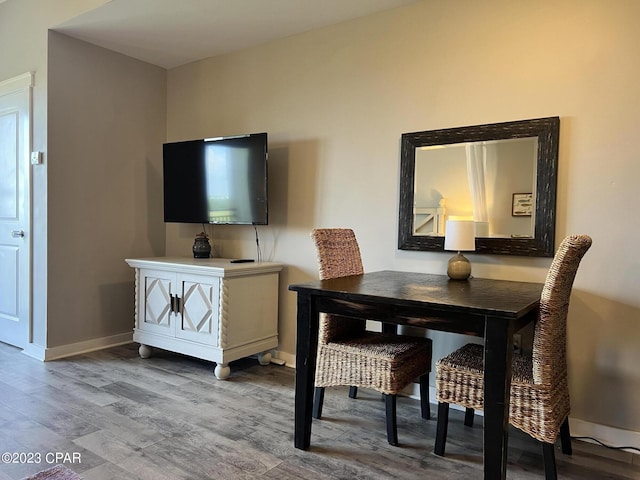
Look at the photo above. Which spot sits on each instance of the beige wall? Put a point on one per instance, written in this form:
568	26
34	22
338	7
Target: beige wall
335	102
106	128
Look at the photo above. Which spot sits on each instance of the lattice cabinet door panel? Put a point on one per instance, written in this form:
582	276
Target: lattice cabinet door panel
199	309
156	302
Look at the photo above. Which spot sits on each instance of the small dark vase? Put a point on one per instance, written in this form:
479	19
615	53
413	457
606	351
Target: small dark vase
201	247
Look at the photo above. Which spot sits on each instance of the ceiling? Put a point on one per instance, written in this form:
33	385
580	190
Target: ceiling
170	33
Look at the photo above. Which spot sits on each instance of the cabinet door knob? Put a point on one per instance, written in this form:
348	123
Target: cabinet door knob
17	233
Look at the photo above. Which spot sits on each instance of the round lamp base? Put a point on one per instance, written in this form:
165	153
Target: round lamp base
459	267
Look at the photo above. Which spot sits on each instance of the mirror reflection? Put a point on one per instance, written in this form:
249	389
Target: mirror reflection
502	176
489	182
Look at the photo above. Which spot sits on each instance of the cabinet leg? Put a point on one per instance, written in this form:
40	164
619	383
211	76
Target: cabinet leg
144	351
264	358
222	371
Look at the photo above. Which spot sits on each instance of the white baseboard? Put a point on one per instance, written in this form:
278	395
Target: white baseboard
46	354
34	351
290	360
612	437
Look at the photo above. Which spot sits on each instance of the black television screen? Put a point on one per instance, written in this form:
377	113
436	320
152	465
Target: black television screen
216	180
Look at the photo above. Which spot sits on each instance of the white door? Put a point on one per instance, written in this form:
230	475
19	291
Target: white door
15	218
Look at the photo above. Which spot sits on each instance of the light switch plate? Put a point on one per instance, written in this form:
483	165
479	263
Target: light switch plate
36	158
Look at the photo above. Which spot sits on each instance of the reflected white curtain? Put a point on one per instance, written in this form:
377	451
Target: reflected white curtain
476	171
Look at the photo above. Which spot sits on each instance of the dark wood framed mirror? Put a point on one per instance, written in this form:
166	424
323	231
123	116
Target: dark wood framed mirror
501	175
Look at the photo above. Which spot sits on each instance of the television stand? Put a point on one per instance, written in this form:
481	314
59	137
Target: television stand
208	308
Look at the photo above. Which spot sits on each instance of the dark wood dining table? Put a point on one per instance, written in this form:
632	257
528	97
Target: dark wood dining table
493	309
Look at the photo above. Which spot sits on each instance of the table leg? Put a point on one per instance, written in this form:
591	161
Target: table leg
497	385
306	349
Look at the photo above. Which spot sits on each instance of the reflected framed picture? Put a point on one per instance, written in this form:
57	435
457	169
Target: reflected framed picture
522	205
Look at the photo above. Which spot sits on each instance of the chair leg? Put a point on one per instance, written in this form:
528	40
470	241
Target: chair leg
549	458
353	391
468	417
441	428
318	400
565	437
425	407
392	426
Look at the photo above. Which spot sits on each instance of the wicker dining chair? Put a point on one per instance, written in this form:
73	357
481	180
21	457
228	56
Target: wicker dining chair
349	355
539	391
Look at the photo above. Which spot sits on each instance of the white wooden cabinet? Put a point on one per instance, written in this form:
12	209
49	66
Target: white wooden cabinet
207	308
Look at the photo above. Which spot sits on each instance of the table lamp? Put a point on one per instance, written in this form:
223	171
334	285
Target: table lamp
459	236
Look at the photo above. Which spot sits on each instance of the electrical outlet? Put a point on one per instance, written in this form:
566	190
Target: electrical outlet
517	343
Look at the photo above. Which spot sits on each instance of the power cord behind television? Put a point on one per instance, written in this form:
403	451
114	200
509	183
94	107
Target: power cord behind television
214	253
258	250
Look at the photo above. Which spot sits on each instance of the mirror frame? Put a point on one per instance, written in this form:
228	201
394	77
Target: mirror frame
547	130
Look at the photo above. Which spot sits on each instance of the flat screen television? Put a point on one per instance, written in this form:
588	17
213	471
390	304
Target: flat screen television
216	180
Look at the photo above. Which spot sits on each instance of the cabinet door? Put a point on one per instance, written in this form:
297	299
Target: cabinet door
199	308
155	313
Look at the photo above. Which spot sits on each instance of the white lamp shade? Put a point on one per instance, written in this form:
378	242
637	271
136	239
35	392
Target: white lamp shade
460	235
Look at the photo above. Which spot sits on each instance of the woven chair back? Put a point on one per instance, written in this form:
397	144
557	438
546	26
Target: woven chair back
550	336
338	256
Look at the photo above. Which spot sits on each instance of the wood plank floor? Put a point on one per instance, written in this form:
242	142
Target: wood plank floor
167	417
